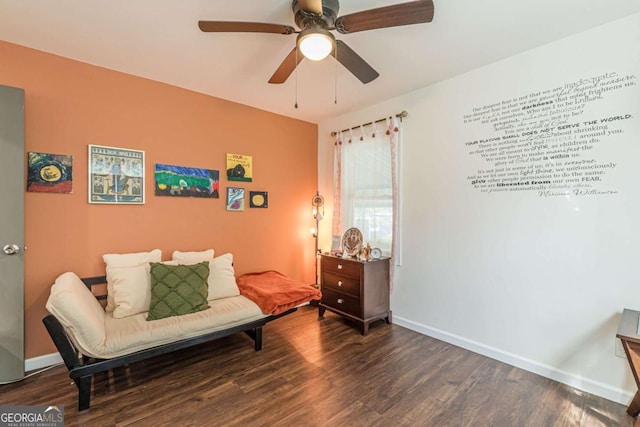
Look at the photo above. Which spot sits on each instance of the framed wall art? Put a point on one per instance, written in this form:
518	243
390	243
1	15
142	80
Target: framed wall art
258	199
239	168
49	173
182	181
235	199
116	175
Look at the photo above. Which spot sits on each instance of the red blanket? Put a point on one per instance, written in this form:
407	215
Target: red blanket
274	292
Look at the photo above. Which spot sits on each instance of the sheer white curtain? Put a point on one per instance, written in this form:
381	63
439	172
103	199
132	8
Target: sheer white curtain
366	184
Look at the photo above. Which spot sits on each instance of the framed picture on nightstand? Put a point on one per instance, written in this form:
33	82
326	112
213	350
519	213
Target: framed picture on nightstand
336	239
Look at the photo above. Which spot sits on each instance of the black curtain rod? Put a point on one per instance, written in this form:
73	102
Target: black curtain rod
401	115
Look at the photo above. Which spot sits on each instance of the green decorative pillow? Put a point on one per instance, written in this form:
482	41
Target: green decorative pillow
178	289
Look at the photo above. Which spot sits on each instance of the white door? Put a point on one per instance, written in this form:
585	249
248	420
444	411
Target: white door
11	234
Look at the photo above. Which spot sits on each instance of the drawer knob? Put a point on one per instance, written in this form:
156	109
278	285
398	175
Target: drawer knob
340	300
339	282
339	266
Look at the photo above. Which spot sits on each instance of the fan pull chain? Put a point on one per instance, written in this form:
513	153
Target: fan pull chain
296	70
335	95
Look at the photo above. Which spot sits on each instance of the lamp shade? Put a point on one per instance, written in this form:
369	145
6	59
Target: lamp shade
315	43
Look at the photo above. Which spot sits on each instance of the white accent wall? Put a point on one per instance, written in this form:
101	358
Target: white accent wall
526	256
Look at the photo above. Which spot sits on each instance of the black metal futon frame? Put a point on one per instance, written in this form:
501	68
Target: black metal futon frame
82	368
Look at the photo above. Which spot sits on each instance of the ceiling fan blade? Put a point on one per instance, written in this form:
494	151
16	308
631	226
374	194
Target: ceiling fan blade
354	63
286	68
311	6
415	12
244	27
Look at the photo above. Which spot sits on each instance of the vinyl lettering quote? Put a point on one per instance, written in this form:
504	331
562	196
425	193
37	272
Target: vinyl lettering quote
553	142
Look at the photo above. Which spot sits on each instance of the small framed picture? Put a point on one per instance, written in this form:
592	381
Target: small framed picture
258	199
239	167
50	173
235	199
335	244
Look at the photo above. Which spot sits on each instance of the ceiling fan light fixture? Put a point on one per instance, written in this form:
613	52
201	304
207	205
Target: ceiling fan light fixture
316	43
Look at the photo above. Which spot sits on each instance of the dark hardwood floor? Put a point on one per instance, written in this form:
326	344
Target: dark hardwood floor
321	373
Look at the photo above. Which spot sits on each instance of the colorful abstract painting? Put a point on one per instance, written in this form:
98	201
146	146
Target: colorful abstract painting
116	175
239	168
181	181
235	199
49	173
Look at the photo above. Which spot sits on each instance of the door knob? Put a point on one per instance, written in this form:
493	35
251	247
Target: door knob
11	249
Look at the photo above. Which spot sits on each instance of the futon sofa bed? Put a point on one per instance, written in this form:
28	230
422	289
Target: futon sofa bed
155	307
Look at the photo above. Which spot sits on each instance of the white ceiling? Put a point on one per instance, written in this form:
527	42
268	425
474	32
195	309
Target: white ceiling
160	40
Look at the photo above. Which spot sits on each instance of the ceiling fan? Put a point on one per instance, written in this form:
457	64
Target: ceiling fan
316	19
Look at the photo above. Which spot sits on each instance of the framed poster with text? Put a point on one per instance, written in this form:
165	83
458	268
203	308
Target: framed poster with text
239	167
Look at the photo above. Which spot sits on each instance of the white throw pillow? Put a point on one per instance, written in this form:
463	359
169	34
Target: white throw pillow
124	261
131	290
190	258
222	278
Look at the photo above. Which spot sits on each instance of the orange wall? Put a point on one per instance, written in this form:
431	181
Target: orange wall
69	104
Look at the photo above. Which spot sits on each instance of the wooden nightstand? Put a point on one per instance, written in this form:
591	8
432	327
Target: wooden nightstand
356	290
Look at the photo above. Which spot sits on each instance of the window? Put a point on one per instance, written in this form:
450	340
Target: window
367	197
365	186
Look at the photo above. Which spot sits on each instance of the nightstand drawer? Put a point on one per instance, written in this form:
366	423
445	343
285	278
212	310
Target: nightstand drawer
342	302
341	267
341	283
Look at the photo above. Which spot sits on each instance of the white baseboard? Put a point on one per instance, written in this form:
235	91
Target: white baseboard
590	386
42	361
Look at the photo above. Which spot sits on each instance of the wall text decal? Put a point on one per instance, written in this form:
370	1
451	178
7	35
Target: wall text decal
555	142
